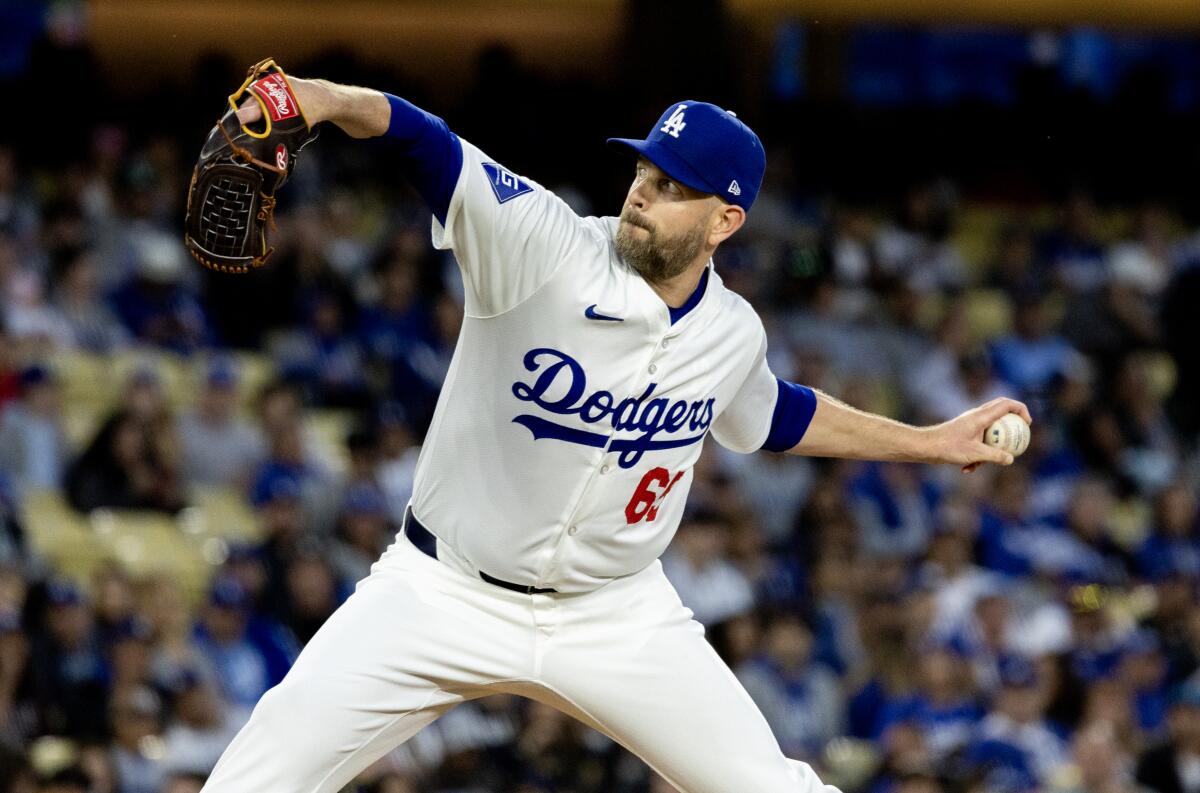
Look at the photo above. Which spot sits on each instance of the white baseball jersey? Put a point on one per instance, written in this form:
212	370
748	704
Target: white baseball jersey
560	453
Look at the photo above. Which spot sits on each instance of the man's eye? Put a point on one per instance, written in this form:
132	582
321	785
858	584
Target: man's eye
670	186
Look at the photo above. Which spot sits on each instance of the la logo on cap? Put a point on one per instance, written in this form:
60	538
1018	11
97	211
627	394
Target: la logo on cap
675	123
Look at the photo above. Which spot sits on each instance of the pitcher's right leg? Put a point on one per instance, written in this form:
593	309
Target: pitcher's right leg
413	641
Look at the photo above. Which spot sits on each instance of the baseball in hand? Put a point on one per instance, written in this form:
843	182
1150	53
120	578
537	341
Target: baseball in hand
1010	433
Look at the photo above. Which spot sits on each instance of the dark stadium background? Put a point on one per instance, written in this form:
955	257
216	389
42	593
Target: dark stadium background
962	200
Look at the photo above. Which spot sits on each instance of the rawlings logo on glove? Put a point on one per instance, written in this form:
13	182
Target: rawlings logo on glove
231	198
277	94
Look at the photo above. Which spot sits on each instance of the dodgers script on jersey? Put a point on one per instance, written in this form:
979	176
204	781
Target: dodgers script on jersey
560	454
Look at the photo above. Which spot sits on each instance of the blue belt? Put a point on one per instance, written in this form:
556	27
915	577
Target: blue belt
426	543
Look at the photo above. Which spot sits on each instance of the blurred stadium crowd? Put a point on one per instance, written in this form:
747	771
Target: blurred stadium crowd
195	471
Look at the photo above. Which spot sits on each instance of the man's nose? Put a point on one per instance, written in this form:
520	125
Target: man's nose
637	196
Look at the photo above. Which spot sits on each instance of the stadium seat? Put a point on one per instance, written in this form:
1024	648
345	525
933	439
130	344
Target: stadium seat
327	430
989	313
220	512
143	543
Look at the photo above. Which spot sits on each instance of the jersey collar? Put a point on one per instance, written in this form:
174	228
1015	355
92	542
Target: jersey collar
693	300
657	307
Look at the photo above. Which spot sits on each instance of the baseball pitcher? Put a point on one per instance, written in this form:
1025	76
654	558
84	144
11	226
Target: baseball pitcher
595	358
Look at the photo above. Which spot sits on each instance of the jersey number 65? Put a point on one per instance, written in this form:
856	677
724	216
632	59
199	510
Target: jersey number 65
649	494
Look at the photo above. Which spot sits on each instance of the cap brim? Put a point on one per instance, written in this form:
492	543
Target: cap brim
670	163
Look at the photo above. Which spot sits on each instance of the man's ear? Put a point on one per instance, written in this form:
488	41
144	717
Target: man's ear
727	218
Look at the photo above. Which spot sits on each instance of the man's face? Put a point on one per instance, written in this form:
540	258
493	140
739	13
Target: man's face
664	224
219	400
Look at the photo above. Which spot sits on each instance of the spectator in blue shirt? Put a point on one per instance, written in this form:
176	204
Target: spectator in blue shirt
324	356
155	305
1002	514
1075	547
944	707
418	374
33	446
801	700
246	662
1073	251
69	675
1030	357
363	532
313	591
1097	643
92	324
894	505
137	719
1174	544
400	317
1143	672
1016	734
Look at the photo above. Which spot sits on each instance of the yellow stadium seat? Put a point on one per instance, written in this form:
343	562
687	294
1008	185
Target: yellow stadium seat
255	371
989	313
86	379
222	513
80	423
1161	373
144	543
976	234
327	430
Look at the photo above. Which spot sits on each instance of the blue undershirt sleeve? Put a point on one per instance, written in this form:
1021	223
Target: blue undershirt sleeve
433	154
794	410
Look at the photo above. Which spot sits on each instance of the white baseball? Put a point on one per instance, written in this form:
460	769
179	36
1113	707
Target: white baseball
1010	433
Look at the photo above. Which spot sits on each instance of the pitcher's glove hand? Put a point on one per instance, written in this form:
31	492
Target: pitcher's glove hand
231	199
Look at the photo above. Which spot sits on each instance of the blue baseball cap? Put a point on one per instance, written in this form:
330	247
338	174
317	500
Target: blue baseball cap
1017	672
1142	641
132	629
35	375
391	414
275	484
706	148
364	500
954	645
228	593
63	592
222	373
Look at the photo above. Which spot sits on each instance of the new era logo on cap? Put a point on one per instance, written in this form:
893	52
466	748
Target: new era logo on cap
705	147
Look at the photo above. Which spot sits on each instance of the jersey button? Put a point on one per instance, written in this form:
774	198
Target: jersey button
666	344
653	369
573	530
604	469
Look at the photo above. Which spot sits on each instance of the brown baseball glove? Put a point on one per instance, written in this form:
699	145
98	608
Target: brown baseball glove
231	199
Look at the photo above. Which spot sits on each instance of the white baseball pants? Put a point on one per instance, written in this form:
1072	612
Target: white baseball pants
419	636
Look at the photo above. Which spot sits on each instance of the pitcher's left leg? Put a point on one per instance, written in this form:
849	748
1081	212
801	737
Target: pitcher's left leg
638	668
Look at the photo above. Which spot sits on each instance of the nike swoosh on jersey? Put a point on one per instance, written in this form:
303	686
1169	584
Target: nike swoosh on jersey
590	313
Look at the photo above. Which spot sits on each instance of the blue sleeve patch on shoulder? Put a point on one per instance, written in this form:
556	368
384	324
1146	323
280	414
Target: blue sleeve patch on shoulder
505	184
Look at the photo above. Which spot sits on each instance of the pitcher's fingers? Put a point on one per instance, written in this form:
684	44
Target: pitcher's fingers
1022	411
993	454
1001	407
249	112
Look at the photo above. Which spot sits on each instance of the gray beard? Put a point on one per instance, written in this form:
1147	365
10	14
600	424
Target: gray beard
658	260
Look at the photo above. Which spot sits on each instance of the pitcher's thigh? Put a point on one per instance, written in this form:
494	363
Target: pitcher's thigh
671	700
302	739
382	667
